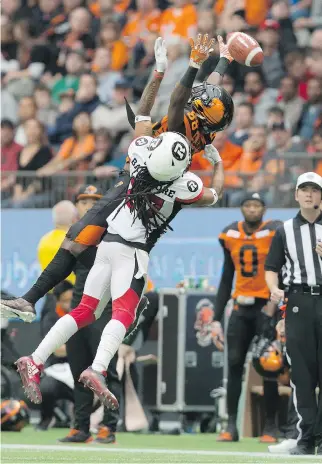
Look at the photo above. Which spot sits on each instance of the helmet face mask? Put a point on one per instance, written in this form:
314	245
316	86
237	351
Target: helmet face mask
213	106
170	157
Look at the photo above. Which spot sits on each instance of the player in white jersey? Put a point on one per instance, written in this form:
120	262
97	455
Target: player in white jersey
159	186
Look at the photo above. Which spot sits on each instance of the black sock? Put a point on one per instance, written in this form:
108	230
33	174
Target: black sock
57	270
234	388
271	400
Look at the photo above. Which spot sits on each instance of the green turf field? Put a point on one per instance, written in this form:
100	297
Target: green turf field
29	446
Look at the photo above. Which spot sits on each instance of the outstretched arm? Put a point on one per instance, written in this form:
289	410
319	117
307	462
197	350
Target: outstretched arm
143	125
216	77
199	53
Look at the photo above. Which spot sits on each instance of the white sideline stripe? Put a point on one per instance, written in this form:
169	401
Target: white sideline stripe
148	450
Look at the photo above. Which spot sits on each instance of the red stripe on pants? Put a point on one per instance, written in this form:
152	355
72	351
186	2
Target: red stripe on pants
123	308
84	312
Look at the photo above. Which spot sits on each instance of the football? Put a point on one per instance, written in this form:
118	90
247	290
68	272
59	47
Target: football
245	49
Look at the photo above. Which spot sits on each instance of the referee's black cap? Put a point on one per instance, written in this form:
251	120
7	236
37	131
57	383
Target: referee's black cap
88	191
252	196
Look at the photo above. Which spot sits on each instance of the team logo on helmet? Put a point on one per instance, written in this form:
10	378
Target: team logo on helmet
90	190
213	106
179	151
14	415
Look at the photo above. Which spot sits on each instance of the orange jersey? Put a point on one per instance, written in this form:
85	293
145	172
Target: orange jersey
248	253
192	129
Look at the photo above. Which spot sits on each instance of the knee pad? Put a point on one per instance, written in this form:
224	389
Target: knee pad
123	308
83	314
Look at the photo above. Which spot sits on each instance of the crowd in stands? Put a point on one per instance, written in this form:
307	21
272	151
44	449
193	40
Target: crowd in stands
66	66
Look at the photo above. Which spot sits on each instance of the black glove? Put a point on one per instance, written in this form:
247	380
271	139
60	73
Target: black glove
268	326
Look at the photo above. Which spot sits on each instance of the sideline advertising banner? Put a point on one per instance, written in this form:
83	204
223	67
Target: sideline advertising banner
192	249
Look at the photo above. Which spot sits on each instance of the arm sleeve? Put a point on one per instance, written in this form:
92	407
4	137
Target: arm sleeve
276	256
225	286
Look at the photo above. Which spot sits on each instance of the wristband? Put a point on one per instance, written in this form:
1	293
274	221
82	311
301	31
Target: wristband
215	196
158	74
188	79
222	66
140	118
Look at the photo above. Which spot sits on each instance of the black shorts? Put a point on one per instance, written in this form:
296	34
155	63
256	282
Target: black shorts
90	229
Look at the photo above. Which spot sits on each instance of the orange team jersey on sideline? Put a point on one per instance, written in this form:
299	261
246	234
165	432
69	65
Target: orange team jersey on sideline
248	253
193	132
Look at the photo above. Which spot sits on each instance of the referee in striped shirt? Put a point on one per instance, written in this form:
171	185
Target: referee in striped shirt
296	251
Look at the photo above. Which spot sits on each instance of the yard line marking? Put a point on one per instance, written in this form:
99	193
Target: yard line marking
151	451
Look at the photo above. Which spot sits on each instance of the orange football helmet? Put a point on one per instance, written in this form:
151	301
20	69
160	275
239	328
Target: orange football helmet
213	105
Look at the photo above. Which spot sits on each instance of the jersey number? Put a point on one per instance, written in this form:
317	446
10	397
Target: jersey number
249	268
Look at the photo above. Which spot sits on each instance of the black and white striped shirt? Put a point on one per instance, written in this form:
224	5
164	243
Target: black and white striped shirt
293	252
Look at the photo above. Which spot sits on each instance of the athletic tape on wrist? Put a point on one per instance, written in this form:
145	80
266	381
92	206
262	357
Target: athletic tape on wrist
215	196
140	118
158	74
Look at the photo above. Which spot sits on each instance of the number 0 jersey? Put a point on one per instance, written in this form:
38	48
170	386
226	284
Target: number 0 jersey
248	253
187	189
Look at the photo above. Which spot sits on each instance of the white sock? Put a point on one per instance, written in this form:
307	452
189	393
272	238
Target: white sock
64	328
111	339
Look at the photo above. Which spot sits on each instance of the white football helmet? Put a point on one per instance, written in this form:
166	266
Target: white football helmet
170	156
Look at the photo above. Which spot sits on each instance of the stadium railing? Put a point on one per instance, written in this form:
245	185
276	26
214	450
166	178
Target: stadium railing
64	185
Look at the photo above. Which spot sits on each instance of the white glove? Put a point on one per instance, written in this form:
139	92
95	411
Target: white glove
212	154
160	53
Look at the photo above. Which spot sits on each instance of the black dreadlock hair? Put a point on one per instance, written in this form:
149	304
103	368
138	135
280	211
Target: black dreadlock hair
140	201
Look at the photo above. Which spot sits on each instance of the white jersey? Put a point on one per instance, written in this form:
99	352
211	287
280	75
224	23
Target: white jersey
187	189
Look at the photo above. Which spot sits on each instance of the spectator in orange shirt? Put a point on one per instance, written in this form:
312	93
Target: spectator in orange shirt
110	39
145	19
200	164
248	11
230	155
250	161
179	19
76	150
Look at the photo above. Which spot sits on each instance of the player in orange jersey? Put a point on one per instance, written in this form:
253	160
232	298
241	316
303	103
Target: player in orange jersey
246	244
199	112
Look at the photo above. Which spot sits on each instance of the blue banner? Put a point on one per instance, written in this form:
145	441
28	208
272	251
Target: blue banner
192	249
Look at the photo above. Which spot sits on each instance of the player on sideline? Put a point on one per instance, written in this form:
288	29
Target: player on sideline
159	186
84	236
246	244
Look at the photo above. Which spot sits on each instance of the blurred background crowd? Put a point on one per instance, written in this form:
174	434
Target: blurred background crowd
66	66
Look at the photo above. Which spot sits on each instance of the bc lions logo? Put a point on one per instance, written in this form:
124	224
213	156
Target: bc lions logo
90	190
204	322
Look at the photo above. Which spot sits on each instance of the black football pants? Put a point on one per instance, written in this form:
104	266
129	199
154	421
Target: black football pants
245	322
304	347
